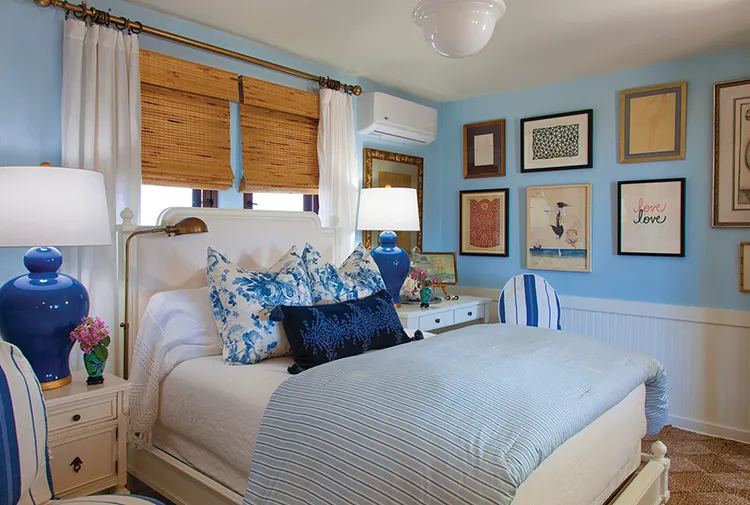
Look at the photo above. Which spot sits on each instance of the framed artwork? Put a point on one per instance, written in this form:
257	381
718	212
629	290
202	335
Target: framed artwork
651	217
557	142
440	265
731	191
484	149
744	268
652	123
484	222
558	227
381	169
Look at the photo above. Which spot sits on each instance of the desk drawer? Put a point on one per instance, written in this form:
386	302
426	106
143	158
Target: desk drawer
100	409
465	314
93	454
435	321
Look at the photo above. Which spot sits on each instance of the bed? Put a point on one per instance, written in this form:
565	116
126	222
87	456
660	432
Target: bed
200	449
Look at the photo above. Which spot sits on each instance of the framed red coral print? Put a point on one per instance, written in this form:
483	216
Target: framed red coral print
484	222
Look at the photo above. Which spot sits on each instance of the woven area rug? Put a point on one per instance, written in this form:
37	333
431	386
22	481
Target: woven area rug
705	470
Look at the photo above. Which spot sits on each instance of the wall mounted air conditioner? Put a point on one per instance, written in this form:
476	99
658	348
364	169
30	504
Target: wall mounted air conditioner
392	118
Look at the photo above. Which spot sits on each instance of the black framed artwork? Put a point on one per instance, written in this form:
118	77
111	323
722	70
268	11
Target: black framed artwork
484	149
557	141
651	217
483	222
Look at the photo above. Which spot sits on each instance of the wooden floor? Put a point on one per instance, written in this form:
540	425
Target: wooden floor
705	470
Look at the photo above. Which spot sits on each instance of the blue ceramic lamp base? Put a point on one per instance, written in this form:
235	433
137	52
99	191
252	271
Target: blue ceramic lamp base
39	310
393	263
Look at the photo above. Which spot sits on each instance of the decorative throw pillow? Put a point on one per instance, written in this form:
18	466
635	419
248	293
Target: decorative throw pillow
324	333
358	277
241	301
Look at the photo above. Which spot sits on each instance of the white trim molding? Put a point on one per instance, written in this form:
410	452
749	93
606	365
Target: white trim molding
706	353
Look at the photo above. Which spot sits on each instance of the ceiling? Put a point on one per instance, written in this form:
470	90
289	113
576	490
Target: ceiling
536	42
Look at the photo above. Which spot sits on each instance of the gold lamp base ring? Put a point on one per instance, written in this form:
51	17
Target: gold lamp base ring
56	383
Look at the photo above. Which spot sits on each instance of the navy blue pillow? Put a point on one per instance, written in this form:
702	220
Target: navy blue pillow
324	333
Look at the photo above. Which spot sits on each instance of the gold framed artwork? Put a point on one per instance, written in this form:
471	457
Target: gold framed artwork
484	149
652	123
483	222
558	227
440	265
731	191
744	268
383	168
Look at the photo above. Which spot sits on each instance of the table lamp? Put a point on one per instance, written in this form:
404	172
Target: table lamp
48	207
391	209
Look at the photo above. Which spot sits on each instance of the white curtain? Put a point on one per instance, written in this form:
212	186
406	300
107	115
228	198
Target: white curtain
101	130
337	158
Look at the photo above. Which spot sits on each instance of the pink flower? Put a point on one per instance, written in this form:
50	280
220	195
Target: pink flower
90	333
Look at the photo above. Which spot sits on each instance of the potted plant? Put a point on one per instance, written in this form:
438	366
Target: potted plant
93	336
424	281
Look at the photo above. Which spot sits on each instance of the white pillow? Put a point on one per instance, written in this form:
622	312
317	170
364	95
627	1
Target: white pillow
242	301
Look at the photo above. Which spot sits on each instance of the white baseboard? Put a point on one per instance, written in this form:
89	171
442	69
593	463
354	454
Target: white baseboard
706	353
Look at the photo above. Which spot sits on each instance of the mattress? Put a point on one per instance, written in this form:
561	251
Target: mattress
210	414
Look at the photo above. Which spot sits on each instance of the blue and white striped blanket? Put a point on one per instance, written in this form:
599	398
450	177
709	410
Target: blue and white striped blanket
464	417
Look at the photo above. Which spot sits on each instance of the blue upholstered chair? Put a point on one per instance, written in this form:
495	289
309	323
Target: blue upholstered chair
529	300
24	463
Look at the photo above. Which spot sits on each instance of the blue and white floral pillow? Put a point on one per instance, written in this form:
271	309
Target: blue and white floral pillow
358	277
242	300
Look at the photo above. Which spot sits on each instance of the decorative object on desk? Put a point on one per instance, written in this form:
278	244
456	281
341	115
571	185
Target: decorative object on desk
186	226
397	209
52	207
484	149
441	266
731	186
557	141
93	336
651	217
744	269
558	227
652	123
381	169
458	28
484	222
424	283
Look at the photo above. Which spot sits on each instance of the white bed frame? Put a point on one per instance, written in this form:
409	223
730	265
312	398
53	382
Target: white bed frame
257	239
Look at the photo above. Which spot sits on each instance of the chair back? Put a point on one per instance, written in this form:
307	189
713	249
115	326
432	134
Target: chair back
529	300
25	477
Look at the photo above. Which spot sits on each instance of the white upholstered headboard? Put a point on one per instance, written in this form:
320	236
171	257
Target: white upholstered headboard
250	238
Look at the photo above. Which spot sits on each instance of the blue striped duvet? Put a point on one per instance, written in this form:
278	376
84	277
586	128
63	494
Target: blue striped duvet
464	417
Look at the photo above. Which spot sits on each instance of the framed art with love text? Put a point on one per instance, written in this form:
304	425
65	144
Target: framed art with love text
557	141
484	149
651	217
484	222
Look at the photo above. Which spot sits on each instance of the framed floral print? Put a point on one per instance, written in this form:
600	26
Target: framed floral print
651	217
558	228
557	142
484	222
484	149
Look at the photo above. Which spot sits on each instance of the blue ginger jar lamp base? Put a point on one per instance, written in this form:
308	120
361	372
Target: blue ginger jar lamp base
39	310
393	263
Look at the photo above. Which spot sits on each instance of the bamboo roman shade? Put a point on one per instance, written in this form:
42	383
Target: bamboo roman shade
279	138
185	122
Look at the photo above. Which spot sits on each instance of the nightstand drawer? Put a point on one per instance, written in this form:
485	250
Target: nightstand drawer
434	321
101	409
93	454
465	314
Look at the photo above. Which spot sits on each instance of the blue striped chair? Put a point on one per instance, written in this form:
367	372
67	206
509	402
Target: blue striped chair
529	300
24	463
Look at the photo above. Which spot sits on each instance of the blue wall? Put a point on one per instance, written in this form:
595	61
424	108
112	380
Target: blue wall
30	89
709	274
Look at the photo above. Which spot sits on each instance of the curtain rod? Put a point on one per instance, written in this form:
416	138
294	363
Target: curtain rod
97	16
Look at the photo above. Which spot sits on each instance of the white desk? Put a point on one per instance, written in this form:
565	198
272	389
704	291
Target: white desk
445	314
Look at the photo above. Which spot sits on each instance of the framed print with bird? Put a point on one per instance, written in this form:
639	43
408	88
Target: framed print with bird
558	227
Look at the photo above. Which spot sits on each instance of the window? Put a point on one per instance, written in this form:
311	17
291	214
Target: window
282	201
154	199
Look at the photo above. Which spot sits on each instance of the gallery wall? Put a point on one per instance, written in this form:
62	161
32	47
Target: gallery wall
708	275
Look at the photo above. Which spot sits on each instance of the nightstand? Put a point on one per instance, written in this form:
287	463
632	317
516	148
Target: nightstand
87	436
445	314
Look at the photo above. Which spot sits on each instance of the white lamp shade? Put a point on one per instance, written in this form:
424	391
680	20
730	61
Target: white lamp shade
394	209
48	206
458	28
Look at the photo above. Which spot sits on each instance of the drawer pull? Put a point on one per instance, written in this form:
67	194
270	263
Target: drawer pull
437	320
76	464
471	313
76	418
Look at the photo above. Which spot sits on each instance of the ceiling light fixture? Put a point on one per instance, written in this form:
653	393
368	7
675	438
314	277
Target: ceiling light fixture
458	28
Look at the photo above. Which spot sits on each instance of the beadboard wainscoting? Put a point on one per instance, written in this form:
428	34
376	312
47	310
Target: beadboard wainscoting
706	353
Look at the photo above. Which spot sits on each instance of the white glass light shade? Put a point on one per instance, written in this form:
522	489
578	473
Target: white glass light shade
48	206
458	28
394	209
